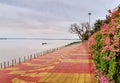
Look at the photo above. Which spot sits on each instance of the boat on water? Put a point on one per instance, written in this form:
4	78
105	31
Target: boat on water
44	43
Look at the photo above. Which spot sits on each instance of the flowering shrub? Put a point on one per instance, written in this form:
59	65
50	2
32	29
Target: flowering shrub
105	49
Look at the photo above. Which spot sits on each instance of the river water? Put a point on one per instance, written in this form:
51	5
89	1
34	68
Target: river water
13	49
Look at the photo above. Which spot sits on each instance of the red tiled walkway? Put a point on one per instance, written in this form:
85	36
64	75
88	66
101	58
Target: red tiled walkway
71	64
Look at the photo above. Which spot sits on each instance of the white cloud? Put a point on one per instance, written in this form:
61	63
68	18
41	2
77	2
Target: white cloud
39	17
20	20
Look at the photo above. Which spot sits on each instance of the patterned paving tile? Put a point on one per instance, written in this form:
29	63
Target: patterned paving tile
71	64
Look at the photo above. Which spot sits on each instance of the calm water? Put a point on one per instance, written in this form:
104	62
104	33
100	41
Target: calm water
13	49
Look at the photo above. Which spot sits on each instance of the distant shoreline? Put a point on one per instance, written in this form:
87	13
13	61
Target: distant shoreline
33	39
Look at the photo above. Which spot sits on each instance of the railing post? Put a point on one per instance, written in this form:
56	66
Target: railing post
1	65
4	64
12	62
34	55
30	56
15	61
24	59
8	64
19	60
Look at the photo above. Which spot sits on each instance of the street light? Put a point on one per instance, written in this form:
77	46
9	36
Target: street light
89	18
89	23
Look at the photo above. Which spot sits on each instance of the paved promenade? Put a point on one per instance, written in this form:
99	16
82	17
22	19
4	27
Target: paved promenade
71	64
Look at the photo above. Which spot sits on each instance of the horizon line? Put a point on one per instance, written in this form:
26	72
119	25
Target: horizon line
42	38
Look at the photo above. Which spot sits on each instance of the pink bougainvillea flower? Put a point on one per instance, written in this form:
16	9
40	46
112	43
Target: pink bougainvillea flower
103	79
110	48
105	29
109	11
113	22
105	26
115	37
118	26
109	17
105	32
117	50
102	40
116	43
112	30
105	48
107	41
91	41
109	57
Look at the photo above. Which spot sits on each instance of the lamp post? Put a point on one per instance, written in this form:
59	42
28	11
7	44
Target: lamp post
89	18
89	23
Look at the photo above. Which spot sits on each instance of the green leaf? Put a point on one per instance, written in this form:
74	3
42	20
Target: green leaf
118	34
98	37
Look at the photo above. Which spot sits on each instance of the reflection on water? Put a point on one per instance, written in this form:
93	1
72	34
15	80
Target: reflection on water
13	49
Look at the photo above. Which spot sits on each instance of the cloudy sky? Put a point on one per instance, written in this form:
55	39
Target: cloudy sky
48	18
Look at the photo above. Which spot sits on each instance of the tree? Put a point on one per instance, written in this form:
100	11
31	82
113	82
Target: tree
97	25
82	30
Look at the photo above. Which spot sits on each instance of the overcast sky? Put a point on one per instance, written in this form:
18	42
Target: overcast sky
48	18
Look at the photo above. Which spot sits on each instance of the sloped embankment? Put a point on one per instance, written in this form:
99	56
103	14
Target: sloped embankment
105	49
